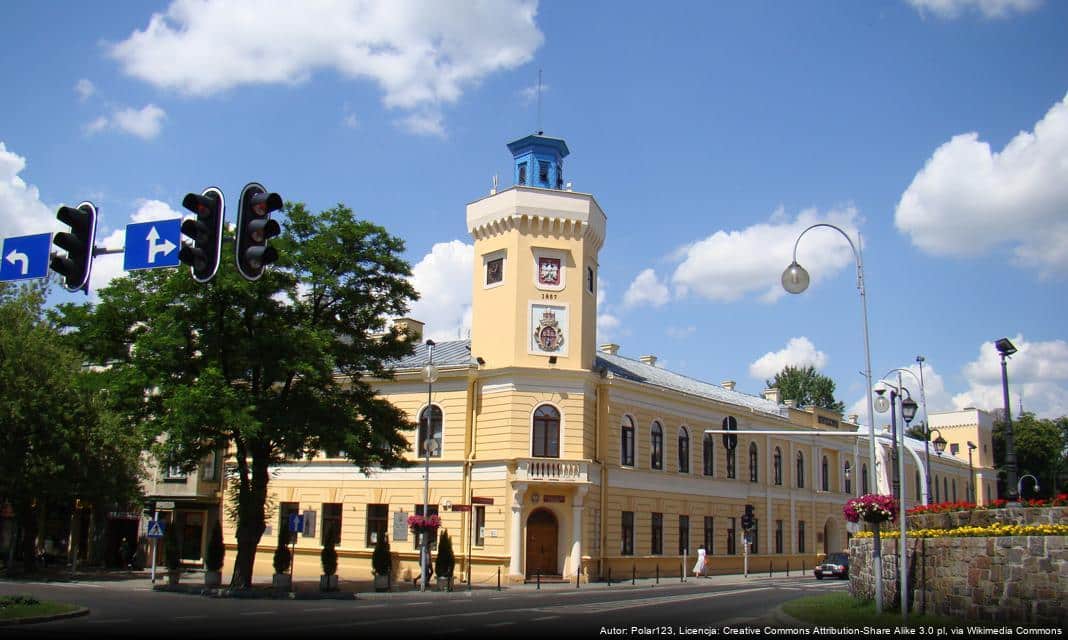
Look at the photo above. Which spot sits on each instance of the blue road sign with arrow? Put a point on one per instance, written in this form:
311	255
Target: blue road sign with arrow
151	245
25	257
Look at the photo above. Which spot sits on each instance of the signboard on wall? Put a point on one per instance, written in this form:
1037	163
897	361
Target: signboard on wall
400	526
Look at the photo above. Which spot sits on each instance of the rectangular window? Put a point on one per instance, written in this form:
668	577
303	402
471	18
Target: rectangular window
626	542
209	467
480	526
543	172
523	173
377	523
657	546
684	535
800	536
731	537
710	537
778	536
174	473
494	271
431	511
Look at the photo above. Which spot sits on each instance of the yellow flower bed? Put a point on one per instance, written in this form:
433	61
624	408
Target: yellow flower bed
993	530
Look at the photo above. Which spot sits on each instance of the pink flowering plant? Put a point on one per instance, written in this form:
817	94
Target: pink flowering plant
872	507
419	523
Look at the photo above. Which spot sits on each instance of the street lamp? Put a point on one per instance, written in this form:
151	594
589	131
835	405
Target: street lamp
795	280
927	436
430	445
1006	349
908	412
1019	484
971	472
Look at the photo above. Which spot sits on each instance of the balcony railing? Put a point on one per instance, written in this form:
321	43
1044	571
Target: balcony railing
552	470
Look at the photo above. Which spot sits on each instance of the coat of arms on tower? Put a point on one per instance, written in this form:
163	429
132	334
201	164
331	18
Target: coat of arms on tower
548	334
549	271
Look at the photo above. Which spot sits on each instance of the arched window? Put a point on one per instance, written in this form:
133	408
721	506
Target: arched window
546	432
777	466
864	479
800	470
846	473
708	454
626	442
684	450
732	463
435	431
657	449
730	423
825	475
753	468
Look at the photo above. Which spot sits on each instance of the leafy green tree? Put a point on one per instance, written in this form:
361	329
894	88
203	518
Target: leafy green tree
1040	446
807	387
265	370
59	443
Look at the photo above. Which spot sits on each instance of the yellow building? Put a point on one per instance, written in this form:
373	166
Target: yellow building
556	456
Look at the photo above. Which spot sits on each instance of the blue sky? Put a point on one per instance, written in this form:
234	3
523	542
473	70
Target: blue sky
711	133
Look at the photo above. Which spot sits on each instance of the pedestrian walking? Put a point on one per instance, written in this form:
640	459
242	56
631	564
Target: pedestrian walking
699	566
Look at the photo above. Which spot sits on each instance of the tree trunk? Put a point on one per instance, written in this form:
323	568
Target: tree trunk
252	497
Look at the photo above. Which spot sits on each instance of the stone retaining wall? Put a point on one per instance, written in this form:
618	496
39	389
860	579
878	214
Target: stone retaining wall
1021	579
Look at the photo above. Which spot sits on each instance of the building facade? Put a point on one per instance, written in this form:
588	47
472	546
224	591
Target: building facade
560	457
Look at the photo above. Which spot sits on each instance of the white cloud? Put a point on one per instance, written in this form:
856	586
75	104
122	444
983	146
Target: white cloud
798	352
949	9
443	280
420	52
967	200
108	267
85	89
144	123
609	326
426	123
530	94
21	210
1038	372
646	289
728	265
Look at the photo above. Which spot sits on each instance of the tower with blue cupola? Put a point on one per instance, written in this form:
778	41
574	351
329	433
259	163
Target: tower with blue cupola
539	161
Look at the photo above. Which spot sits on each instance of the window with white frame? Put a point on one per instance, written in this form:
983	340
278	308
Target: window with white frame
626	442
656	449
546	432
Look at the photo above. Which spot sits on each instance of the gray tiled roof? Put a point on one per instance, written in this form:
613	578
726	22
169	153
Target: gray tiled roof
450	353
458	353
648	374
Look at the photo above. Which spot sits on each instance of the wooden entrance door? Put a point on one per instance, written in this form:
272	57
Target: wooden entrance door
542	533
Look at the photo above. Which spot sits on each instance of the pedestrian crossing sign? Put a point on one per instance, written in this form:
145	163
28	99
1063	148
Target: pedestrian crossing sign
155	529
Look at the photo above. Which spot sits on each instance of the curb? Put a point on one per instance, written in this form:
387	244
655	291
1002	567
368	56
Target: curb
80	611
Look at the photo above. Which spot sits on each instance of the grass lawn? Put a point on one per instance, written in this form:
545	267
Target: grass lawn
13	607
842	610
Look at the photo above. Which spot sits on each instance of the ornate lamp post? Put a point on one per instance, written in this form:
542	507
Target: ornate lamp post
430	445
908	412
1019	484
795	280
1006	349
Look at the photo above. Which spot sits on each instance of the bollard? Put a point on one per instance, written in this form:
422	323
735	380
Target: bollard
802	566
633	575
610	576
787	568
769	568
658	573
578	578
498	578
539	579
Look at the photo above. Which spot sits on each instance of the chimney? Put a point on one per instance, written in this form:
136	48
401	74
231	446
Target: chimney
649	360
728	385
772	395
413	328
610	348
791	403
853	418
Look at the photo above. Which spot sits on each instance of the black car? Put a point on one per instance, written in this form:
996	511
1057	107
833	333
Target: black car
835	564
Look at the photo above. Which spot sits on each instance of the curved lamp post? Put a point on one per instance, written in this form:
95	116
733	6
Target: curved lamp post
1019	484
430	445
971	473
795	280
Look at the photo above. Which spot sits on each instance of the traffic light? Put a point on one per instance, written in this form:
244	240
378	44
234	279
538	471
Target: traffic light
77	264
205	230
255	228
748	518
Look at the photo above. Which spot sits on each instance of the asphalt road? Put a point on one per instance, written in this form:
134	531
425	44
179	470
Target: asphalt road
694	609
